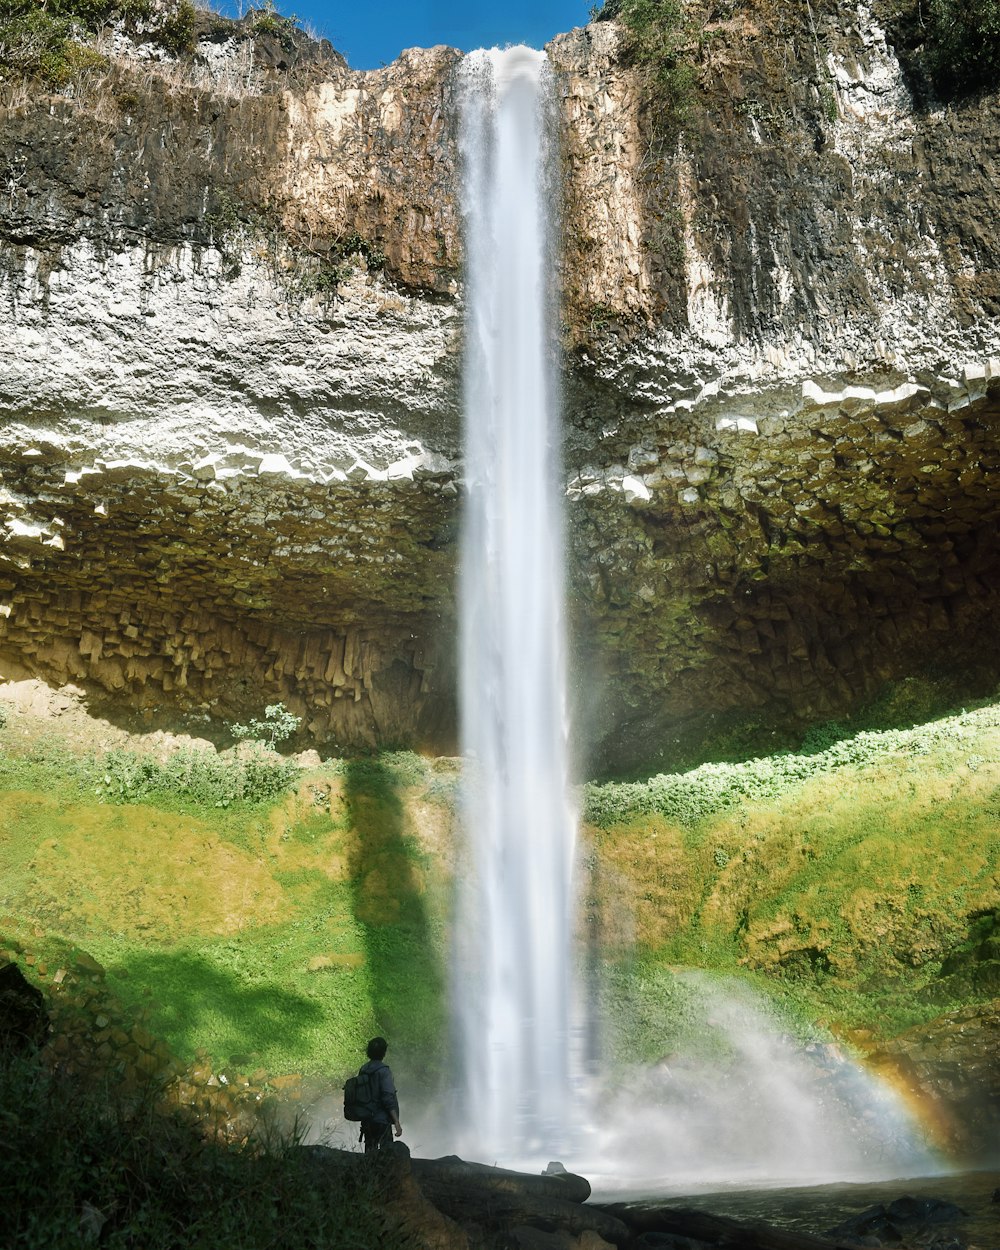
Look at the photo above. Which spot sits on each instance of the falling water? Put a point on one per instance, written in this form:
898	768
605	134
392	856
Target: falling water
513	990
765	1109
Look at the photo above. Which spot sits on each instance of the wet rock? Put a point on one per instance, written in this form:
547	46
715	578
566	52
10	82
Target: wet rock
667	1241
471	1193
951	1067
905	1221
680	1228
448	1204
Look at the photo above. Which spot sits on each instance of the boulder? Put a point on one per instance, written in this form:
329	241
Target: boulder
911	1221
448	1204
478	1196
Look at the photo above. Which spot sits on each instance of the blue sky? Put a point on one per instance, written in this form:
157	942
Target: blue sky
370	32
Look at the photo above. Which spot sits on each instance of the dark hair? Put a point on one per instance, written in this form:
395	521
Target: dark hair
377	1048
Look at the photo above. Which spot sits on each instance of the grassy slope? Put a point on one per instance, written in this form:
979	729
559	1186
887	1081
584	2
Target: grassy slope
275	934
841	880
278	934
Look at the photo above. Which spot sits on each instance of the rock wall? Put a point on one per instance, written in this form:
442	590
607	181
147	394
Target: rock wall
949	1069
230	439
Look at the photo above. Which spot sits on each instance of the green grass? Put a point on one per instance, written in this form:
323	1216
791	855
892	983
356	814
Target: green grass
280	926
841	879
851	879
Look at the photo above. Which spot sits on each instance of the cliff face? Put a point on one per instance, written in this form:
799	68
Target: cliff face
229	387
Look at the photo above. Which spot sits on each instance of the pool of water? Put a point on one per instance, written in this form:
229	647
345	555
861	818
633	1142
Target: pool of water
819	1208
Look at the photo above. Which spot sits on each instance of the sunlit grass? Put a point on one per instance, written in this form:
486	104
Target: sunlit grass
280	932
842	879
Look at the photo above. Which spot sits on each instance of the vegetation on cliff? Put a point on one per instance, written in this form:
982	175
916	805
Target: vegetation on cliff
49	42
274	933
950	46
661	38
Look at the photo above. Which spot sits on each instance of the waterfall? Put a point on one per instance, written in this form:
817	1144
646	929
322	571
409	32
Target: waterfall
513	984
755	1103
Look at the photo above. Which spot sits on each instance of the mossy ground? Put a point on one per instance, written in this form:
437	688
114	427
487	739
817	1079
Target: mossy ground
854	881
848	882
276	934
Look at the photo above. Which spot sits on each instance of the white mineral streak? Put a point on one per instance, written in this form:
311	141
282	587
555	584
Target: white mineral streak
708	307
698	466
159	363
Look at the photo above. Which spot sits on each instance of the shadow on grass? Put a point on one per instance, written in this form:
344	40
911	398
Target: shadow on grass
203	1004
406	978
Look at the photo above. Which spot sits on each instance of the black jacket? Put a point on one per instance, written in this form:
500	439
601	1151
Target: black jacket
388	1102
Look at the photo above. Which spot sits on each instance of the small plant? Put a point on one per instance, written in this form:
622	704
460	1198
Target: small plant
660	36
278	724
175	32
268	21
46	41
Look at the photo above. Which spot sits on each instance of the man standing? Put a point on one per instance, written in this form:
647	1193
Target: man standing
377	1131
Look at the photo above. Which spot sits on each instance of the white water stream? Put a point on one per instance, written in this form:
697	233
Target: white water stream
752	1105
515	969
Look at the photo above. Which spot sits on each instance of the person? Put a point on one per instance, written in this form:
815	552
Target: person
377	1132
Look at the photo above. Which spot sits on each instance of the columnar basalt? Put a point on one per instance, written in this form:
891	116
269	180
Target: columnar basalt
230	438
795	559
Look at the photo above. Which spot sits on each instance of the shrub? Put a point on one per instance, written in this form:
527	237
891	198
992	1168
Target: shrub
278	724
201	776
963	44
268	21
949	47
36	44
43	41
175	31
688	798
659	38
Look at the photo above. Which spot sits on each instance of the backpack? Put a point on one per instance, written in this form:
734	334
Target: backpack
362	1095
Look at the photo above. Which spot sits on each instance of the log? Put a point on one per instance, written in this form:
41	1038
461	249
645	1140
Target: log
565	1185
473	1193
